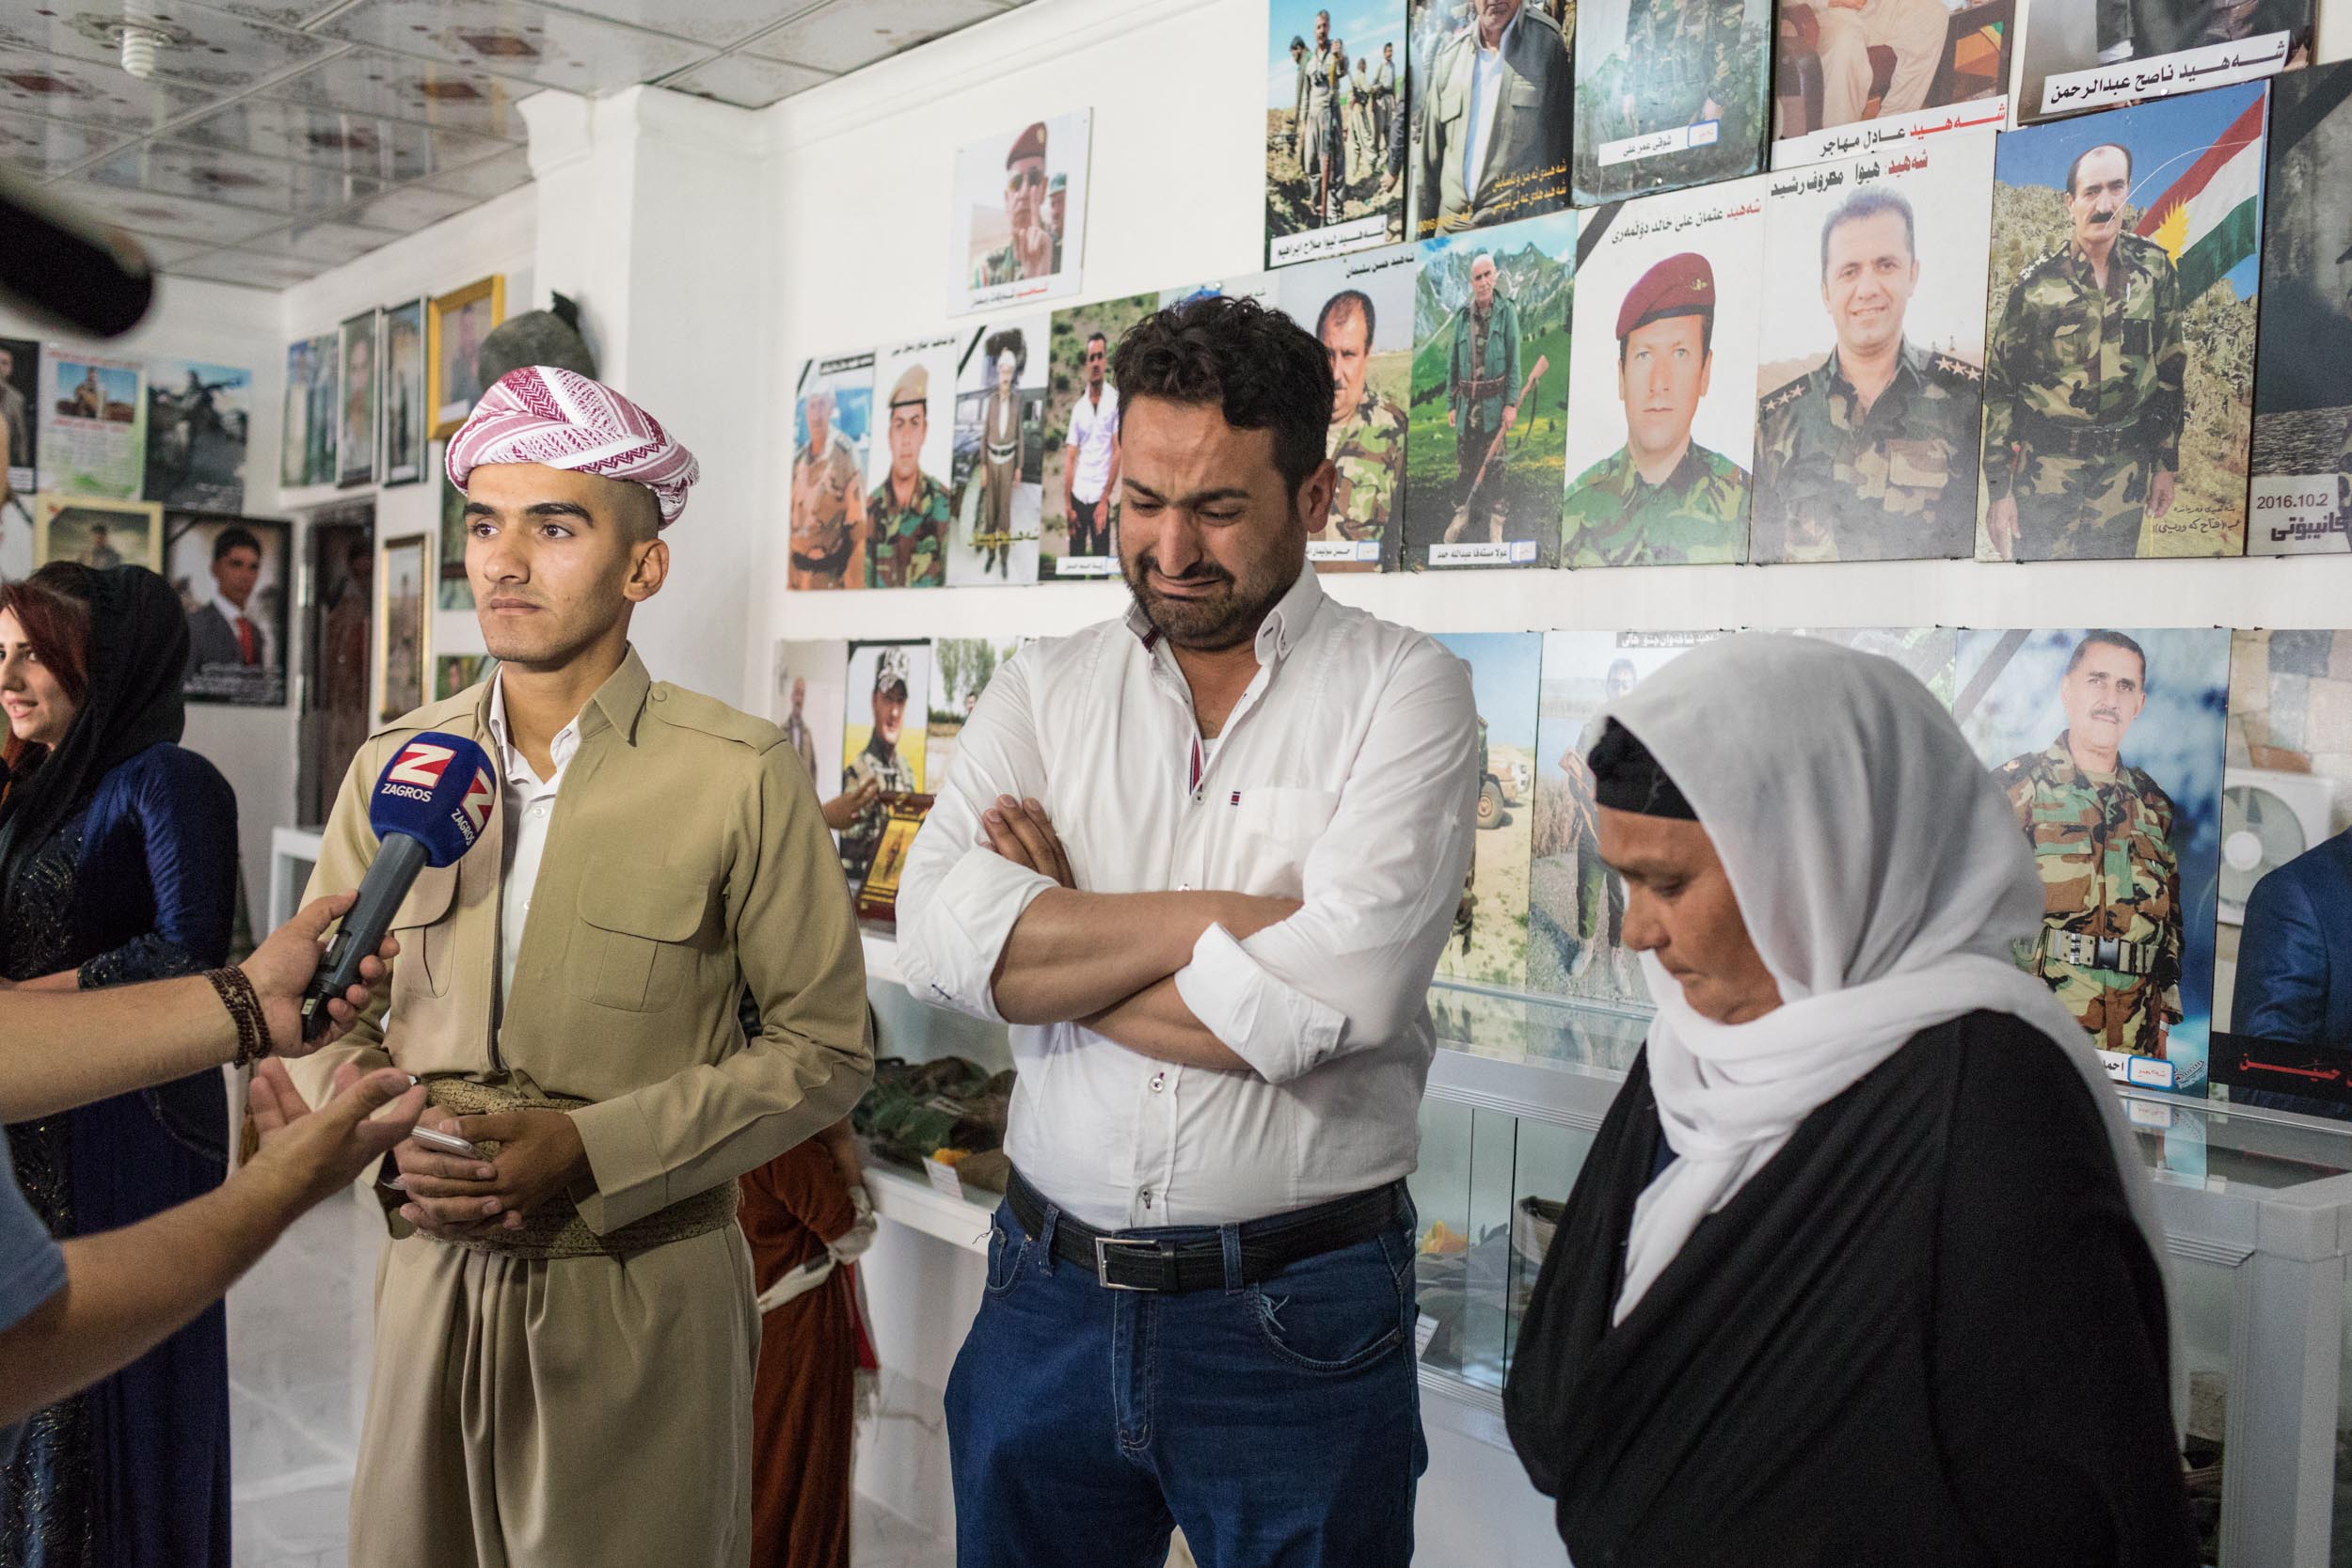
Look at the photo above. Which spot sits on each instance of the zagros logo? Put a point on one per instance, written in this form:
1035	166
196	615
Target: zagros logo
419	762
475	807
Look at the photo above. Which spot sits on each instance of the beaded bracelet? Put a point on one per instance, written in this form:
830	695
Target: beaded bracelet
245	1009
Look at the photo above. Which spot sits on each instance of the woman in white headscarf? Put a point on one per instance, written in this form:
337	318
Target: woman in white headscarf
1861	1267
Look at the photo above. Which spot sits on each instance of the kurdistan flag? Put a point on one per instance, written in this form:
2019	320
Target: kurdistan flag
2210	219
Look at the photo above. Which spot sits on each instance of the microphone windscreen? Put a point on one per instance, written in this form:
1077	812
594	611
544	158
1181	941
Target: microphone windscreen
438	790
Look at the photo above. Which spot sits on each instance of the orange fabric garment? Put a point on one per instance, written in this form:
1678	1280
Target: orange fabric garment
802	1399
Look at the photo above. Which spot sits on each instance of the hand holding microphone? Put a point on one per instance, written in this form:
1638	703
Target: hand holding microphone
429	807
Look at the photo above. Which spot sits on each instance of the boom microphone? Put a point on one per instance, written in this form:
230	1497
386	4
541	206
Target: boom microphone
429	808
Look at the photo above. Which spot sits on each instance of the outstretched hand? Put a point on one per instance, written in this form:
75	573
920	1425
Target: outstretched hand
280	969
318	1152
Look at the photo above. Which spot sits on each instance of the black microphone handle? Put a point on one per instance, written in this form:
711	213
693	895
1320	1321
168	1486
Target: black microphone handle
389	879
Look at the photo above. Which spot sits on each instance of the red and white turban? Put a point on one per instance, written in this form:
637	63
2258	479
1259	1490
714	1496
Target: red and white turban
545	414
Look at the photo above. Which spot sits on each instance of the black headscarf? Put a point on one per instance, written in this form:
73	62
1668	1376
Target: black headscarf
138	656
1627	778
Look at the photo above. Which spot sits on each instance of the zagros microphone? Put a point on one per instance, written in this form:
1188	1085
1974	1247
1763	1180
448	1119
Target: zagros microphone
428	808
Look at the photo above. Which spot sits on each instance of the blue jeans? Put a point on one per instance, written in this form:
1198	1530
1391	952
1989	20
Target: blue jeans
1279	1423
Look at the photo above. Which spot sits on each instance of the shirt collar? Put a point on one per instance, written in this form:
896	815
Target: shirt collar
1502	44
1278	634
511	763
616	705
229	611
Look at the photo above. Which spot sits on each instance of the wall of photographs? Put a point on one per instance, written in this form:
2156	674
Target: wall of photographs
2037	345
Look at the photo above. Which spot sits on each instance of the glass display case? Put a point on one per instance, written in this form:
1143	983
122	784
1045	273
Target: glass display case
2256	1207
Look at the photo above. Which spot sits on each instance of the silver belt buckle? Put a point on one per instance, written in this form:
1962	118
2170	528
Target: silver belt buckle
2109	955
1103	1259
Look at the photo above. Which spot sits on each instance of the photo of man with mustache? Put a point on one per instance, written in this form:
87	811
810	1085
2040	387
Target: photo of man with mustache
2083	400
2102	836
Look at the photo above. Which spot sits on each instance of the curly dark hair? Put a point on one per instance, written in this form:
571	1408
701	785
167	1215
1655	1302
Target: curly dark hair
1262	371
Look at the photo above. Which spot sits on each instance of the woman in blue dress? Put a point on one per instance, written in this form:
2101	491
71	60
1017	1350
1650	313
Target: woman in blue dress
117	863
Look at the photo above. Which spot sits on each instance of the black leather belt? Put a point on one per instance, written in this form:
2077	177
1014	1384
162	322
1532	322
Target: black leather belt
1173	1268
2053	439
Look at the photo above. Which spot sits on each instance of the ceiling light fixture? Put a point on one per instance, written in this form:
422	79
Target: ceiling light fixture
139	34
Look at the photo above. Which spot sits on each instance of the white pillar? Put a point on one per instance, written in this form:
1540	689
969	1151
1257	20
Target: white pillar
654	215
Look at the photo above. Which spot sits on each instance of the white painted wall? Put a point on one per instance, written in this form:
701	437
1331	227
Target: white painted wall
195	320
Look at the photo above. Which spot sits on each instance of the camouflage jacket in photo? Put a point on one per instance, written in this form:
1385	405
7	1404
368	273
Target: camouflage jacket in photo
823	484
2112	892
1698	516
1896	482
1477	389
1368	450
2068	358
906	546
864	833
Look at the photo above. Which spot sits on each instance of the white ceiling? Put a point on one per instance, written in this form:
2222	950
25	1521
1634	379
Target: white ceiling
278	138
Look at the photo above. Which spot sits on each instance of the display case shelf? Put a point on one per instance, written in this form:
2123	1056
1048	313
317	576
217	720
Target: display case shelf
905	1197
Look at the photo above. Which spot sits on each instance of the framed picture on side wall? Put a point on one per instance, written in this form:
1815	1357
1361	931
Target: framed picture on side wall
96	533
457	322
401	453
233	576
355	402
404	624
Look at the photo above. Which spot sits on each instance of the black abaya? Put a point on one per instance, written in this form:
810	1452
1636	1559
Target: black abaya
1926	1332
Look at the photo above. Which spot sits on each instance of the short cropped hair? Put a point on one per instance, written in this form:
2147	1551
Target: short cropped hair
1256	367
2086	151
231	539
2108	640
1869	203
1341	305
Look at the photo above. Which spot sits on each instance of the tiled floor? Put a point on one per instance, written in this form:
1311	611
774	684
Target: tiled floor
298	1359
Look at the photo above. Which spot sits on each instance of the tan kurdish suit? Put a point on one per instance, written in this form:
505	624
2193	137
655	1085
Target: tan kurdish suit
580	1411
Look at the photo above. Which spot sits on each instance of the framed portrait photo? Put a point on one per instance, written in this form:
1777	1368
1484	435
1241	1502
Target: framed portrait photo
401	453
356	401
234	575
404	624
457	322
453	673
97	532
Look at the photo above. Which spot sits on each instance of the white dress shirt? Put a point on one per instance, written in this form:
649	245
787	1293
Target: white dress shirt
1486	87
526	804
235	614
1093	430
1345	777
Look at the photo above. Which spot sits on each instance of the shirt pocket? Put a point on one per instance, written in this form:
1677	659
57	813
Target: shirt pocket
1918	465
639	924
424	927
1273	831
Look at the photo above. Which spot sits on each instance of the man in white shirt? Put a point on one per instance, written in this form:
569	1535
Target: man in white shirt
1090	462
219	631
1204	858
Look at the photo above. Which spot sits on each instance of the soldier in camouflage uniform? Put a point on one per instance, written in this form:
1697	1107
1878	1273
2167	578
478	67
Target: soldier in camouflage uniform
1661	498
906	542
1482	389
2083	396
1676	53
2102	835
1366	442
879	762
1033	249
1466	909
828	506
1871	455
